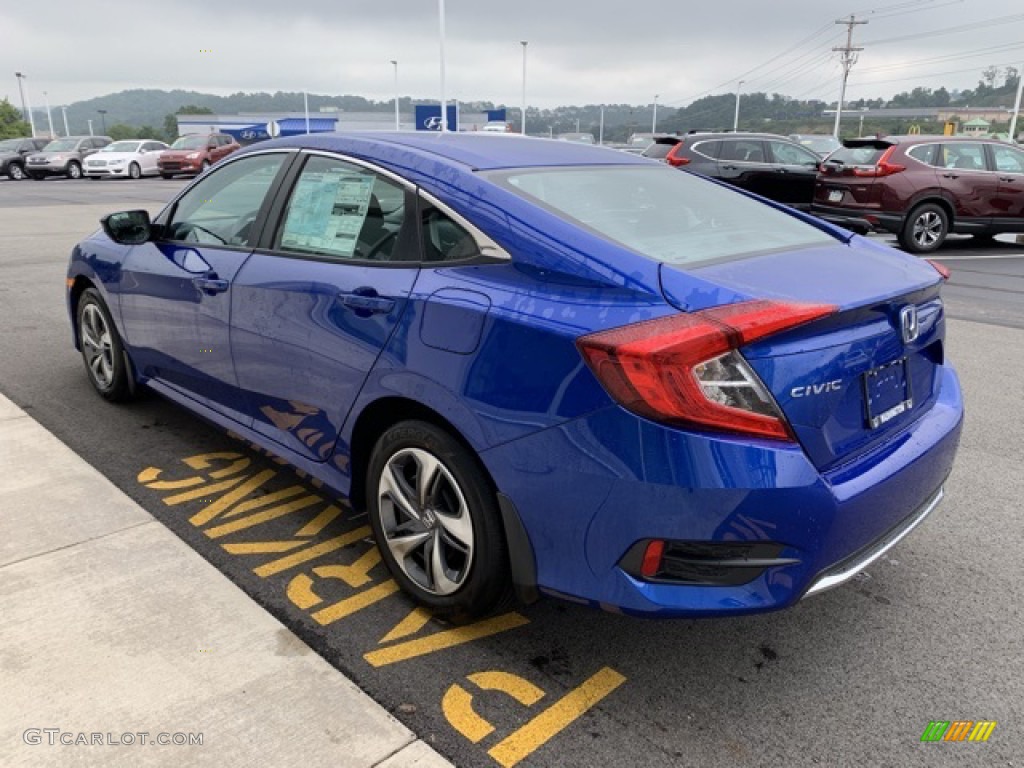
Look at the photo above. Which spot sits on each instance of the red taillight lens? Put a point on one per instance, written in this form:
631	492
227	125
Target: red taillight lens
883	167
683	369
942	269
677	161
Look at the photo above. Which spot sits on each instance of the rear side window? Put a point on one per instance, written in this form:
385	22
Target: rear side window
964	156
659	150
925	153
445	239
743	150
868	155
671	217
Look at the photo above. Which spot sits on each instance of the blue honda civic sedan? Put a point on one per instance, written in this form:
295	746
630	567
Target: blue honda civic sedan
542	367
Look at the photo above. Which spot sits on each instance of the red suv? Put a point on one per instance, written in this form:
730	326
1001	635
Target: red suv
194	154
921	188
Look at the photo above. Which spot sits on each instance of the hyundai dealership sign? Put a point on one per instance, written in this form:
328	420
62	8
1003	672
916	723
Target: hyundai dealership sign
428	117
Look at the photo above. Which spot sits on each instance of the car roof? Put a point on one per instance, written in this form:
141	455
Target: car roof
476	151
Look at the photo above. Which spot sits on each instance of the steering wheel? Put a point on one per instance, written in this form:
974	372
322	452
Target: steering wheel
242	233
371	252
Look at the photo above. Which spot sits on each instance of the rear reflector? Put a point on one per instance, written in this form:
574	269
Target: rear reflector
652	559
684	369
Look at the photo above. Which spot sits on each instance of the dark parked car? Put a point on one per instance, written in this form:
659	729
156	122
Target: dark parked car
194	154
542	366
13	153
921	188
763	163
64	157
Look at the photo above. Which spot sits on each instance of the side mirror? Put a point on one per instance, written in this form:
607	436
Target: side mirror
128	227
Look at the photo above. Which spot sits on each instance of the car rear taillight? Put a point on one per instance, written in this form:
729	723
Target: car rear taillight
883	167
942	269
685	369
677	161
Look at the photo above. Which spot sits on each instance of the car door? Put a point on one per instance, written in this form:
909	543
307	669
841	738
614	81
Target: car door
968	183
794	172
176	291
315	305
1008	163
744	163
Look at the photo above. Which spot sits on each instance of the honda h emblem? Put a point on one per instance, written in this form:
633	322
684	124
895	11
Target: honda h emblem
908	323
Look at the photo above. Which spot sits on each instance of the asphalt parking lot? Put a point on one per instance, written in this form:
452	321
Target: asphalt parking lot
849	677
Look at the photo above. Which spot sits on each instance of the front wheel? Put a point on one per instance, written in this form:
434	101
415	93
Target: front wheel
925	229
134	171
102	350
436	521
16	172
74	170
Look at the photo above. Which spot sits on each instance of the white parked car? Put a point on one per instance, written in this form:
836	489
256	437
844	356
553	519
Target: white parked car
125	159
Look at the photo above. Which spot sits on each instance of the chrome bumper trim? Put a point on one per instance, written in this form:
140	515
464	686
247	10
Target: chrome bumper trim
844	571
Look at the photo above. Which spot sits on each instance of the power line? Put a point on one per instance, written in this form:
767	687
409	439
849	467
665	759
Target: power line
1011	19
951	57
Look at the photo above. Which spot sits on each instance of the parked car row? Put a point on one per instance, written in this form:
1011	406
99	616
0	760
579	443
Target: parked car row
920	188
98	157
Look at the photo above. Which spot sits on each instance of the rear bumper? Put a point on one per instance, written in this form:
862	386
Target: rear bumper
589	490
858	220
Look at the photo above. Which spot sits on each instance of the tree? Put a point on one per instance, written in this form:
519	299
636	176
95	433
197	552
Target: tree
170	128
989	75
11	124
192	109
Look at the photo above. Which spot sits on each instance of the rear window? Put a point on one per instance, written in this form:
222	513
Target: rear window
672	217
659	150
857	155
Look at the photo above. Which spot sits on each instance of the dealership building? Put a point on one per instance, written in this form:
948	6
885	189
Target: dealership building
248	127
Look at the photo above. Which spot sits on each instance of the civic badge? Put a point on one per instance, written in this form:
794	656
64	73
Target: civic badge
909	328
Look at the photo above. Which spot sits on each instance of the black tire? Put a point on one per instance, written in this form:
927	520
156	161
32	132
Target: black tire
925	228
134	171
16	172
166	175
94	178
33	176
465	585
205	166
110	376
74	170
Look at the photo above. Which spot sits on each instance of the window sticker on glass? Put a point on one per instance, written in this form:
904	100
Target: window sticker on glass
327	212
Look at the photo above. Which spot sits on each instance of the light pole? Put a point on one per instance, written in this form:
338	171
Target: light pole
26	101
444	105
64	110
600	130
398	125
49	117
21	90
736	114
1016	106
103	118
524	43
305	105
654	119
90	128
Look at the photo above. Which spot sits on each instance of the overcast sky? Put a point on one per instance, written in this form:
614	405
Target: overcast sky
579	51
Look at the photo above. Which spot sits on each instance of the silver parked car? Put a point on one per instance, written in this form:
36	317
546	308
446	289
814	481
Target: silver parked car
64	157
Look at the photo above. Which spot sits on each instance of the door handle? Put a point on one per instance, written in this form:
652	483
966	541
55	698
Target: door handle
729	167
365	301
210	285
1007	178
951	175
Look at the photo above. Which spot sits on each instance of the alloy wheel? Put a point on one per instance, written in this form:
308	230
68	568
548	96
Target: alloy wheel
97	345
927	229
426	521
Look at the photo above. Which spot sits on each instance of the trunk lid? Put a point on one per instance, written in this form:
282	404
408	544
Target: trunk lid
850	381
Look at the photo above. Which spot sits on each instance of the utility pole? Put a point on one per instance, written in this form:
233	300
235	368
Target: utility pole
64	111
848	59
736	114
398	124
654	118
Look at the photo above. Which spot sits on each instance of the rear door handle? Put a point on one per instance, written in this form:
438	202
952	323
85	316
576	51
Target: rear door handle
951	175
365	301
210	285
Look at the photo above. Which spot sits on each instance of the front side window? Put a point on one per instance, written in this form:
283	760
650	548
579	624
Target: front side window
1008	159
222	208
342	211
672	217
742	150
789	154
